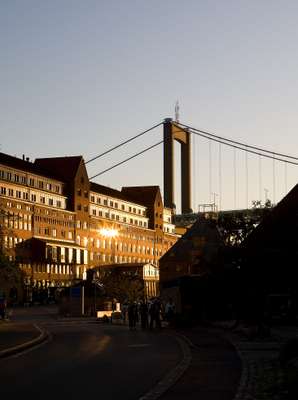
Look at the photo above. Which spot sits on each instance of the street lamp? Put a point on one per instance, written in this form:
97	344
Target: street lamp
83	292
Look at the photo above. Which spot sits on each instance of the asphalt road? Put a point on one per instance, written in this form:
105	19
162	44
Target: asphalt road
83	359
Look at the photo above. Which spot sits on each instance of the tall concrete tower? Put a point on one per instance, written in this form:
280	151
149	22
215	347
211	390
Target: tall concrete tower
172	132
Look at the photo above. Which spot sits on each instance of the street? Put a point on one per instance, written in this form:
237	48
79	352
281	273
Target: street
88	359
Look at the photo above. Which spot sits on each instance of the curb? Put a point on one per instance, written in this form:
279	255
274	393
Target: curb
174	375
43	336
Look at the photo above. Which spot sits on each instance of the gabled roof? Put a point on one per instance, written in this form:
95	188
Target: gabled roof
63	167
26	166
142	194
203	235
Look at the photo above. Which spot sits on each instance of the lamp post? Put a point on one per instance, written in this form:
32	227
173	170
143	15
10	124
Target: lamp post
83	292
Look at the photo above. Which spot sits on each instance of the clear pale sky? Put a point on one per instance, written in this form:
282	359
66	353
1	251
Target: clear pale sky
78	77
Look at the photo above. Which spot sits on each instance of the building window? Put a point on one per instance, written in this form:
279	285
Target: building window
31	182
79	207
51	202
92	199
79	192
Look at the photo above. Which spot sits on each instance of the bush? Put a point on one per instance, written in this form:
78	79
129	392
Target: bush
291	378
288	351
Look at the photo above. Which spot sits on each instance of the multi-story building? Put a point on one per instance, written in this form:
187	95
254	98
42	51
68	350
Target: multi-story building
56	223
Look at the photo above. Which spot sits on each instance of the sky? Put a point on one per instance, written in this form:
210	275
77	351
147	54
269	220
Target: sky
79	77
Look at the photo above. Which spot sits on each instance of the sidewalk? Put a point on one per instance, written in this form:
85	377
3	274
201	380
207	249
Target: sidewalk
16	337
262	376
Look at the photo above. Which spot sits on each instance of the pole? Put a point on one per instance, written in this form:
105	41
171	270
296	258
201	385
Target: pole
95	308
83	299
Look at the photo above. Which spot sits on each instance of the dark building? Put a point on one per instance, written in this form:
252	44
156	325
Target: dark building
270	253
189	271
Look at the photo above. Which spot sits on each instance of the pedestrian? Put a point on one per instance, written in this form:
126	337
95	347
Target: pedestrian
132	316
3	306
124	310
154	313
170	311
144	314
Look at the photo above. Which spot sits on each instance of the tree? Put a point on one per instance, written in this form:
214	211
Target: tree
11	276
121	285
235	227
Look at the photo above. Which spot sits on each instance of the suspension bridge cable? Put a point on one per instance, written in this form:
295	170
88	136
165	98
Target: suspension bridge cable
274	177
219	175
286	180
246	173
194	199
235	180
260	178
127	159
237	143
210	171
123	143
243	149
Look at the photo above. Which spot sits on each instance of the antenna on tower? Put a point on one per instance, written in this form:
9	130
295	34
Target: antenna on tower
177	111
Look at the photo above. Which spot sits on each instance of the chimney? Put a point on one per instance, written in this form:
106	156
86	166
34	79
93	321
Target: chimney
23	157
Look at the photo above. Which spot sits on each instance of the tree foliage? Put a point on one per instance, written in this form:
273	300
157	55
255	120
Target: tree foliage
235	227
11	275
121	285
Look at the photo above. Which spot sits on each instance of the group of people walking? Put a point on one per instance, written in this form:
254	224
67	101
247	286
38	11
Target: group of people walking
149	314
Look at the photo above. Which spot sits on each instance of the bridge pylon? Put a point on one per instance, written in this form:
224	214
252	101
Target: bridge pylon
172	132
